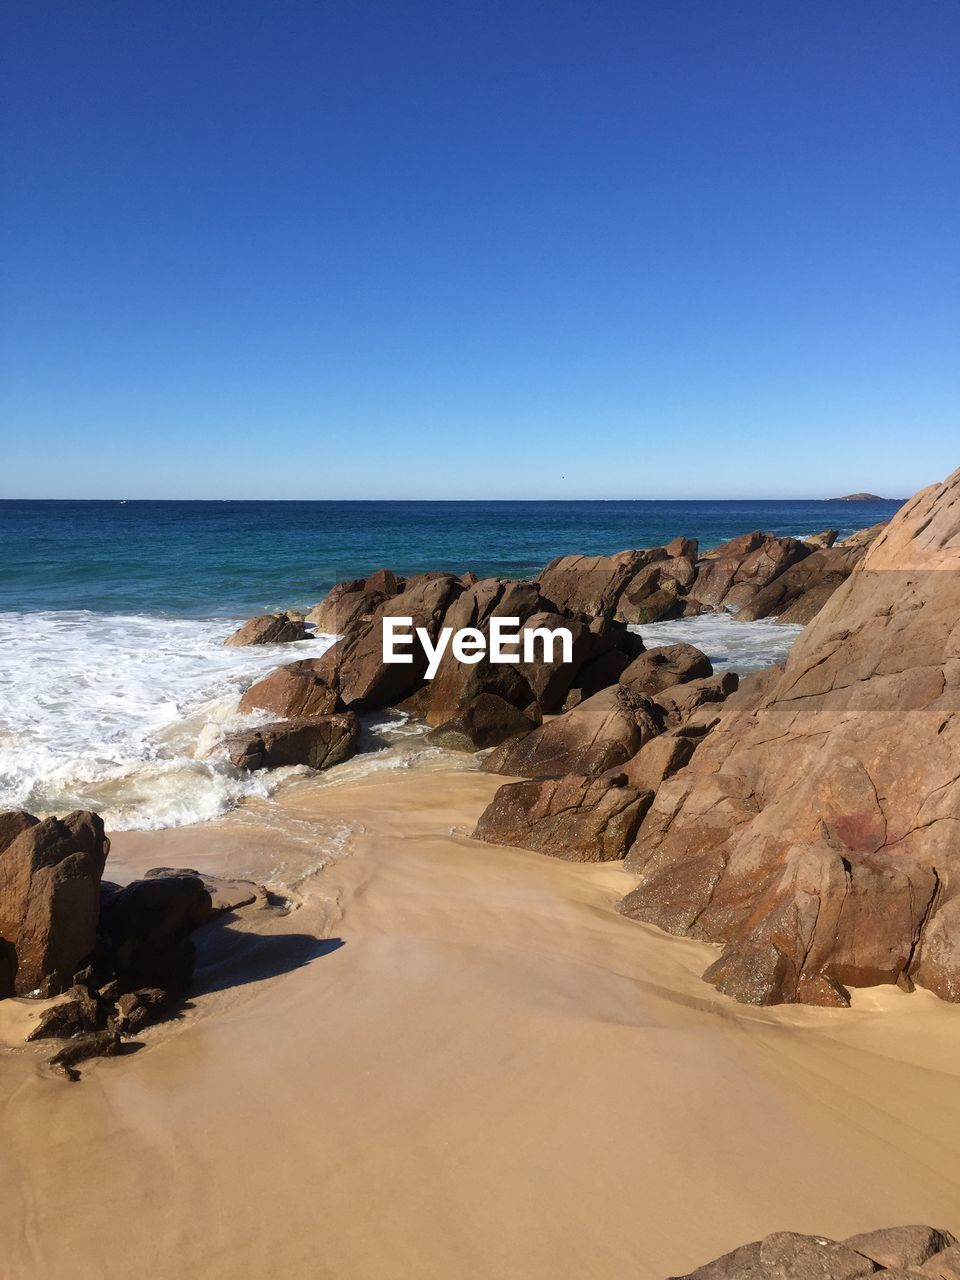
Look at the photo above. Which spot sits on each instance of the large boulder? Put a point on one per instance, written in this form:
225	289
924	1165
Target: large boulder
656	590
269	628
148	924
589	587
575	818
485	721
786	1255
319	743
49	899
813	833
800	592
731	575
600	733
296	691
660	668
355	664
348	603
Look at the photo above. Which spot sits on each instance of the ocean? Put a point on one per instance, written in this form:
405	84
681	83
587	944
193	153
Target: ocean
115	688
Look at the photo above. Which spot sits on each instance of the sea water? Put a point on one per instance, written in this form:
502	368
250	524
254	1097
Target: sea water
115	687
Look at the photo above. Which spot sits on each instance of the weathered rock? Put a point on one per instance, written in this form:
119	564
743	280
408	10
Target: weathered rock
576	818
296	691
12	823
789	1256
319	743
657	760
137	1009
270	628
680	701
77	1014
801	591
348	603
660	668
589	587
148	925
731	575
601	732
486	721
355	665
226	895
825	539
98	1044
824	808
49	899
864	537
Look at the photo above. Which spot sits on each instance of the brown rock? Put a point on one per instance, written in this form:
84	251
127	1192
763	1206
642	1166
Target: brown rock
148	924
660	668
825	539
575	818
319	743
296	691
486	721
12	823
601	732
589	587
829	796
348	603
77	1014
657	760
99	1044
137	1009
801	591
270	628
680	701
49	899
901	1246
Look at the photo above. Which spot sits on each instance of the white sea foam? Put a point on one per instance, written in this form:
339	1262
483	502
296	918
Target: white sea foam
730	645
120	713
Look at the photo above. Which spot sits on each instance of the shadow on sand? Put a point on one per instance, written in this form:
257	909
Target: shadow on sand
228	957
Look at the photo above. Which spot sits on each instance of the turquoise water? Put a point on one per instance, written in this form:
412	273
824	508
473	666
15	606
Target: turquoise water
204	559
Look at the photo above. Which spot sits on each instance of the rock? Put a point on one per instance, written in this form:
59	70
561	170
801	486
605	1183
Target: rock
671	664
824	805
786	1255
602	651
49	899
99	1044
943	1266
601	732
657	760
576	818
897	1247
270	628
680	701
588	587
801	591
137	1009
864	537
486	721
12	823
77	1014
319	743
148	925
348	603
225	895
296	691
825	539
733	574
355	664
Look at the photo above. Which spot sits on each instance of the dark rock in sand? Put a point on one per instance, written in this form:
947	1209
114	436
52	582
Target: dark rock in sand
49	898
76	1015
319	743
897	1252
270	628
148	924
296	691
575	818
486	721
99	1044
138	1009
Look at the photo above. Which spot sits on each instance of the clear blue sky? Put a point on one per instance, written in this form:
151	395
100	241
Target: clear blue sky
689	248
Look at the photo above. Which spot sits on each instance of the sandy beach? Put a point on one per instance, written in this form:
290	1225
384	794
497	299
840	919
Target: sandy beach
449	1059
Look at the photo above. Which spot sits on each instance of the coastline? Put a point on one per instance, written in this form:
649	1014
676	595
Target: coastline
494	1072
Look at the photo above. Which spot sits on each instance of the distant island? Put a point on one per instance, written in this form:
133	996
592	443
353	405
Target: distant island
860	497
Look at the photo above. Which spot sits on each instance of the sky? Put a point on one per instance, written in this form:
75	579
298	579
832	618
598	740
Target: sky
590	249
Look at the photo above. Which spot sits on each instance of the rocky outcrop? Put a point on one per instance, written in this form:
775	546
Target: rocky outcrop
485	721
296	691
576	818
667	665
825	539
349	603
319	743
922	1253
801	591
49	898
270	628
600	733
814	832
589	587
732	574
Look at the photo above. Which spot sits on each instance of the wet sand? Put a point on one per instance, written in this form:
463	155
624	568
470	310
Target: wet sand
478	1071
